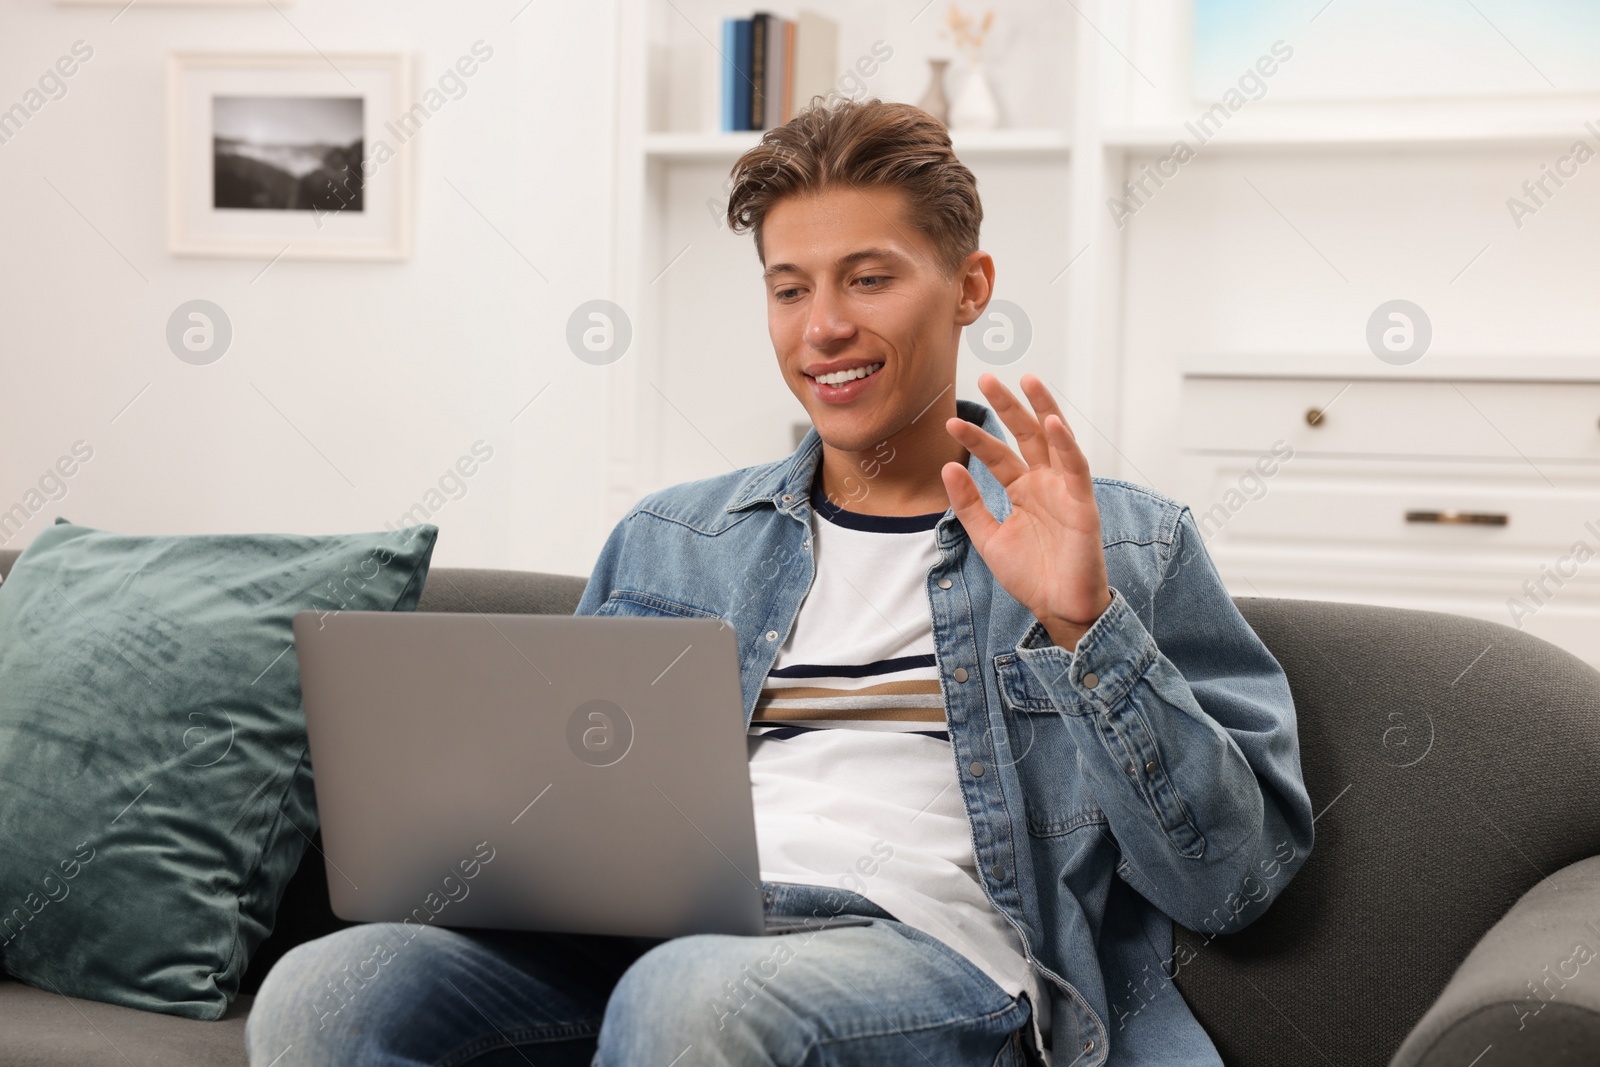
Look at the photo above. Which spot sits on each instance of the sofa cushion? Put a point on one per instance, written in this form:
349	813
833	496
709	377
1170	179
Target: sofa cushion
500	592
44	1029
156	788
1530	989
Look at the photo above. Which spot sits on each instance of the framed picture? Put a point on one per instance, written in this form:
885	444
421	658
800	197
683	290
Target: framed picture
289	155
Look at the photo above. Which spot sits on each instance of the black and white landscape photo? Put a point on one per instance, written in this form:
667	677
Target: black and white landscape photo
287	153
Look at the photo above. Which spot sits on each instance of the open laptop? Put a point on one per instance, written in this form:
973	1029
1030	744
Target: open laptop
534	772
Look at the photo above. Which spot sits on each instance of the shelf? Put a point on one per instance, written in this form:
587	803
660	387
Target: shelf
1307	138
1382	125
989	144
1537	367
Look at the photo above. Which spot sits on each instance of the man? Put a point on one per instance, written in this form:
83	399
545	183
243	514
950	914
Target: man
1002	708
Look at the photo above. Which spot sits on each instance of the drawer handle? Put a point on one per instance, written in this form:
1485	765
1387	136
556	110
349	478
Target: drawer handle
1314	416
1460	518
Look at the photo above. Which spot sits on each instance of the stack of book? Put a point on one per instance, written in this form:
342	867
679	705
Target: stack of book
773	66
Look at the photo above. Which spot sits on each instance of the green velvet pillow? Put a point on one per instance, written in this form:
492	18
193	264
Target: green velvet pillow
155	790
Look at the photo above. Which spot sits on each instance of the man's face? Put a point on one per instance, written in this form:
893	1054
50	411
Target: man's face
852	283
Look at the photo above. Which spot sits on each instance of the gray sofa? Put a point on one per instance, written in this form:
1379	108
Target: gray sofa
1455	767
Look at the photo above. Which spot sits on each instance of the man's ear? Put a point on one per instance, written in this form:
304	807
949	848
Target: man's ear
975	276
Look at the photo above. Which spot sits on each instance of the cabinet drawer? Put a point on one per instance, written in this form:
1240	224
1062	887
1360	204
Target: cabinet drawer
1478	419
1313	501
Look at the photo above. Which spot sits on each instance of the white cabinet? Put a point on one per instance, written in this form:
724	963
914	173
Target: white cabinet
1441	487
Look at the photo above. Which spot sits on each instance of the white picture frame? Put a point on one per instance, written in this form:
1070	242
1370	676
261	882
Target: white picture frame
261	161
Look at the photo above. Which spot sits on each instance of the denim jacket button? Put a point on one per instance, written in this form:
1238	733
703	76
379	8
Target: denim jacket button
1150	768
976	769
945	583
998	871
772	635
1091	680
960	674
788	497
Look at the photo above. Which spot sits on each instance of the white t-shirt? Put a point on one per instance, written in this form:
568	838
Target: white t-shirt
851	768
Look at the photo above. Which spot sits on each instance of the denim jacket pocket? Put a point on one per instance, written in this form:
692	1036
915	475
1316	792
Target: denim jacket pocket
633	602
1044	754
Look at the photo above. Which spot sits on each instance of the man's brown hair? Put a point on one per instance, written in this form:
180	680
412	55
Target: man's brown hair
859	144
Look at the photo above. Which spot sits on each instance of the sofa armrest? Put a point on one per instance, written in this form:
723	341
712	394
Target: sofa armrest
1529	991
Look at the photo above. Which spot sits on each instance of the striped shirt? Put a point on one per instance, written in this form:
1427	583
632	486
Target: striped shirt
851	767
899	690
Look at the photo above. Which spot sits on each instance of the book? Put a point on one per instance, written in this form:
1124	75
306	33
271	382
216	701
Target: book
774	67
788	69
777	73
760	34
816	57
730	77
741	74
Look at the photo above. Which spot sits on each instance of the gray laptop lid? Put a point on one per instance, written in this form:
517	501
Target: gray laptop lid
532	772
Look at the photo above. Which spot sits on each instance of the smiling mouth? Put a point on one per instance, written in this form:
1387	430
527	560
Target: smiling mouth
841	377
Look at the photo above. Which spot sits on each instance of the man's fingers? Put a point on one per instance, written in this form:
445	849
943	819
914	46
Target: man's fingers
1069	458
1001	461
1018	419
968	503
1044	402
1042	399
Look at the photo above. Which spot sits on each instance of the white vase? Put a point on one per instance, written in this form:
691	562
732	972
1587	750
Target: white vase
975	106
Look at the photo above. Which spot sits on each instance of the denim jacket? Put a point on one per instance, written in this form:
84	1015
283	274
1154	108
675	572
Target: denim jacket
1150	774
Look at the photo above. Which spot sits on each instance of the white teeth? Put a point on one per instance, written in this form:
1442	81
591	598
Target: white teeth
848	375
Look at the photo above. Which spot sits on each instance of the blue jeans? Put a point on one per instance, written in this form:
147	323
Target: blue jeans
390	994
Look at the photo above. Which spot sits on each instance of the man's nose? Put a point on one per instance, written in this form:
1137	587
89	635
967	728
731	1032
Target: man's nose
829	320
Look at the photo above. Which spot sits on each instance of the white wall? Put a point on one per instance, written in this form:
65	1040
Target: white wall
390	371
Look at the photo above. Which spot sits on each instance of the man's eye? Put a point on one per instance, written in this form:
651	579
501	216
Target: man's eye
878	278
786	294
